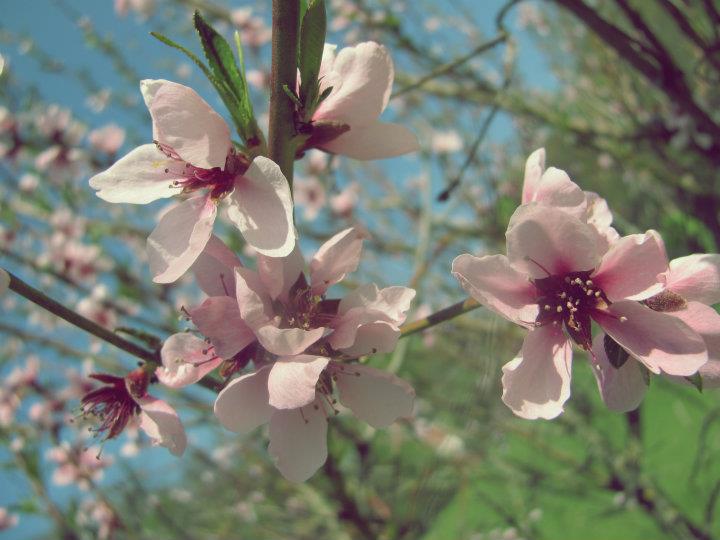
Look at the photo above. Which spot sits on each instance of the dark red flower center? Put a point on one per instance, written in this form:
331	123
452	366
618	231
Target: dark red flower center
219	181
570	299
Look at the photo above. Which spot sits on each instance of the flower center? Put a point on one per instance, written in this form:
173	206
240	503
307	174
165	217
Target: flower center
570	299
307	310
219	181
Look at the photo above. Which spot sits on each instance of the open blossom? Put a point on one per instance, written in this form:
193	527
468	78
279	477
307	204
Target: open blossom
300	343
123	398
347	121
560	275
692	286
310	194
193	154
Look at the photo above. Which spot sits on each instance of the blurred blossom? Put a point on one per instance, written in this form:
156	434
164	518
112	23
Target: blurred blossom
605	161
98	513
253	30
7	520
433	24
310	194
343	204
76	465
98	101
94	309
446	142
107	139
28	182
143	8
258	79
184	70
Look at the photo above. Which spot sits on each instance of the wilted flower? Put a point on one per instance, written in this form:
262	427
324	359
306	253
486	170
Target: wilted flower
193	152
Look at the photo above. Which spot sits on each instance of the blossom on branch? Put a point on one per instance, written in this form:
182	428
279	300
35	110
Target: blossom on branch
123	398
193	154
559	274
347	121
302	344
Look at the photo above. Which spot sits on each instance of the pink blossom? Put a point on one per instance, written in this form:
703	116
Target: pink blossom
77	466
446	142
295	396
144	8
98	512
94	308
299	341
361	78
343	204
558	274
107	139
7	520
121	399
193	152
692	286
253	30
310	194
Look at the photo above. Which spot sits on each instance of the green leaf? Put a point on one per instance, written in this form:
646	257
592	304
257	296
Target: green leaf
222	62
615	353
310	50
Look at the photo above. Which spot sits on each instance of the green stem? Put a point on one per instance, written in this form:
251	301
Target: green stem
283	72
443	315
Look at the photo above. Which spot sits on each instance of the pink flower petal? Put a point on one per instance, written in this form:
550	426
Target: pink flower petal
253	300
543	240
696	277
534	168
660	341
358	336
379	140
215	269
287	341
261	207
536	383
185	122
185	360
298	442
292	380
706	322
622	389
377	397
557	190
338	256
140	177
629	270
278	274
367	73
495	284
179	238
218	318
162	424
600	217
243	404
392	302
